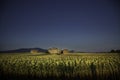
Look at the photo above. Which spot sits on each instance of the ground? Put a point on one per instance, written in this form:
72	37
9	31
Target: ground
71	66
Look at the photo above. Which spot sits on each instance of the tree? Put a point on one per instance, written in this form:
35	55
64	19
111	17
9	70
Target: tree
112	51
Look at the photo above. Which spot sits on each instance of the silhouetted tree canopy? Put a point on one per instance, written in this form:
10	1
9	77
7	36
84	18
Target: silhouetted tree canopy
112	51
115	51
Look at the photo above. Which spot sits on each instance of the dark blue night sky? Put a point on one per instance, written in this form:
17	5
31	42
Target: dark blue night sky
83	25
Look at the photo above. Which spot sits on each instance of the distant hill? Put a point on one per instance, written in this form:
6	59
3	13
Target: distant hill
23	50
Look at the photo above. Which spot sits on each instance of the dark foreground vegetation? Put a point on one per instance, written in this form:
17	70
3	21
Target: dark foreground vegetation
60	67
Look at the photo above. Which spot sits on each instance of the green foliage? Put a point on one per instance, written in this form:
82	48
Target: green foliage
100	67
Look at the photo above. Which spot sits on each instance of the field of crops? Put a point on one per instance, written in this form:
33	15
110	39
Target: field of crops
60	67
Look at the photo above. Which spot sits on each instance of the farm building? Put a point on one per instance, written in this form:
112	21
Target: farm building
33	51
64	51
57	51
54	50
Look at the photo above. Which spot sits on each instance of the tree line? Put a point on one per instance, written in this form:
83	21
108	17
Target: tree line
115	51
